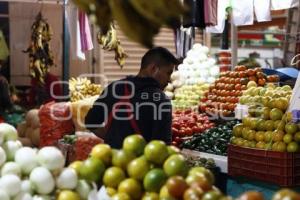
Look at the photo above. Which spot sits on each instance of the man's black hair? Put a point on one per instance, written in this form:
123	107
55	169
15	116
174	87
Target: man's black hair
159	56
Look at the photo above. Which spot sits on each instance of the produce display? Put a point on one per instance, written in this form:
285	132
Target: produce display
213	140
81	88
187	123
38	174
40	56
224	94
268	125
188	96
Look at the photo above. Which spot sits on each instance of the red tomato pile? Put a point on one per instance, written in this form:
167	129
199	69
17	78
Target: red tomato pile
224	94
186	123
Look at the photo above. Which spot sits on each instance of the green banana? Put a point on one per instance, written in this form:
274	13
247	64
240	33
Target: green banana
152	10
135	26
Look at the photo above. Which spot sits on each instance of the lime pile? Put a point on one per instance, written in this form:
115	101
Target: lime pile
146	171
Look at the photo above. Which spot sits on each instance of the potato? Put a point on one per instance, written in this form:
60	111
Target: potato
21	129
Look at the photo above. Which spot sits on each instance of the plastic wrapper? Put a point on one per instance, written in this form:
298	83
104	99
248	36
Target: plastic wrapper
56	121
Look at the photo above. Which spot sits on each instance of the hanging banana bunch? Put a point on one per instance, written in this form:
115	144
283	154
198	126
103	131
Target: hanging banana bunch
140	20
81	88
40	55
110	42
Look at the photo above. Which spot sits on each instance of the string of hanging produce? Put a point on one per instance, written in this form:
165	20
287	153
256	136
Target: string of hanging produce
40	54
110	42
139	20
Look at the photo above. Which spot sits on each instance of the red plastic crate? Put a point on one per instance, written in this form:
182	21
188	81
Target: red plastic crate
280	168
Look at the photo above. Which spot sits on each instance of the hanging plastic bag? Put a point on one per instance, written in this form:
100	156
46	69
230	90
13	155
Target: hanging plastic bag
284	4
242	12
262	10
219	28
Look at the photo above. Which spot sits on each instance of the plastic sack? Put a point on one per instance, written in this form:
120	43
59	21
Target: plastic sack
55	122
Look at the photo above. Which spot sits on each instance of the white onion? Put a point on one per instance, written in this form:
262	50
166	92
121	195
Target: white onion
41	197
23	196
11	168
204	73
11	184
2	156
3	195
11	147
211	80
67	179
26	157
51	158
197	46
42	180
214	71
83	188
26	187
7	132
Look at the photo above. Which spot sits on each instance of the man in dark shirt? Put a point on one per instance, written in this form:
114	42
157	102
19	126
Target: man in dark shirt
136	104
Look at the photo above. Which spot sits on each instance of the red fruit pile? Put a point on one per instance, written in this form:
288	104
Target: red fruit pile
187	123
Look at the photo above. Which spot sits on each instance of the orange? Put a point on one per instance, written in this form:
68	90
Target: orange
113	176
102	152
278	136
121	196
199	180
211	195
259	136
251	195
134	144
268	136
138	168
193	193
260	145
237	130
121	158
287	138
281	147
276	114
150	196
291	128
269	125
92	169
156	151
297	137
173	150
251	135
68	195
293	147
176	186
176	165
154	180
76	165
131	187
202	170
164	194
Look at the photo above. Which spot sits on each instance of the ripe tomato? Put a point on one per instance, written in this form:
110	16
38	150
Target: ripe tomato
251	72
237	81
253	78
174	131
261	81
238	87
242	74
244	87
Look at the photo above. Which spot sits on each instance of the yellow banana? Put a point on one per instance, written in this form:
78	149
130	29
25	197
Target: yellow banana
135	26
